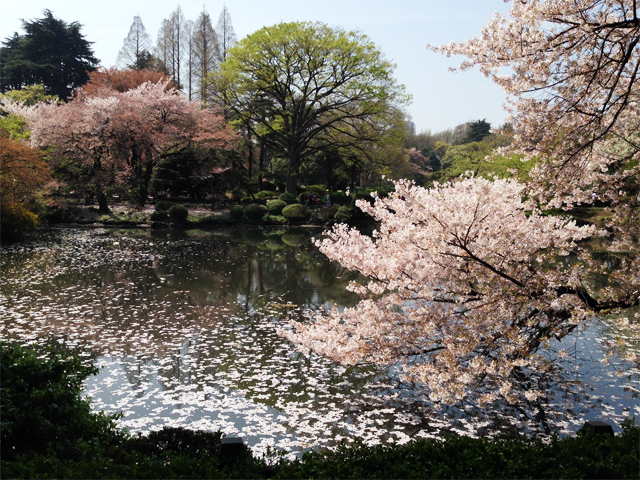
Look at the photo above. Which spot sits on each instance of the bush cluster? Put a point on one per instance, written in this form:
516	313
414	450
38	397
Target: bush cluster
15	221
48	431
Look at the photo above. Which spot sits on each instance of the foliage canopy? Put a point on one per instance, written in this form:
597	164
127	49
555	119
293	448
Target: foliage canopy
305	87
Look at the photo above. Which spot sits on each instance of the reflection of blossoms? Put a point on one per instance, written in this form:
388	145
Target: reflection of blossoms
465	288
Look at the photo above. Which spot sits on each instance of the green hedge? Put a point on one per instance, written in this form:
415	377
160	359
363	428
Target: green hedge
47	430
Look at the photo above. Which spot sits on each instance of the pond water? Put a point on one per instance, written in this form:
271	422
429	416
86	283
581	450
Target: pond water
183	326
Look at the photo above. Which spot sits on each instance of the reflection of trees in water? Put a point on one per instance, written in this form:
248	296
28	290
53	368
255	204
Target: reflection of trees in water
182	298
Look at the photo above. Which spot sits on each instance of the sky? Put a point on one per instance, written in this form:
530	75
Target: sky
401	29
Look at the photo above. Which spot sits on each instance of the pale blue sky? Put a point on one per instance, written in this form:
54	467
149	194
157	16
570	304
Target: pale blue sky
400	28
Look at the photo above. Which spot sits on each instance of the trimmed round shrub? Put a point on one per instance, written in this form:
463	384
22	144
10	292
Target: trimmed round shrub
162	206
295	213
159	216
236	212
288	197
255	211
345	214
275	206
178	213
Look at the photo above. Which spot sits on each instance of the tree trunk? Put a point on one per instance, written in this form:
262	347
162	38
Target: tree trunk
102	200
292	173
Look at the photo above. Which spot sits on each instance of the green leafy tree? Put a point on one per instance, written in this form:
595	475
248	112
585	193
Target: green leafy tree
309	87
51	52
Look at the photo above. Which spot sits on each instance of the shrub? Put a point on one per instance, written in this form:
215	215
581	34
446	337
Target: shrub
42	406
255	211
162	206
267	185
318	190
339	198
237	193
274	219
159	216
275	206
178	213
15	221
295	213
236	212
264	194
346	214
288	197
304	198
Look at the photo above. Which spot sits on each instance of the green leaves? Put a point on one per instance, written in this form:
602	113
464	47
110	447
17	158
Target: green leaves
307	87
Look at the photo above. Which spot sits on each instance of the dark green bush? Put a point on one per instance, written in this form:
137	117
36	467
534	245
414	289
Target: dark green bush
178	213
274	219
159	216
295	213
15	221
339	198
267	185
318	190
303	198
346	214
287	197
42	407
255	211
162	206
236	212
275	206
266	194
582	456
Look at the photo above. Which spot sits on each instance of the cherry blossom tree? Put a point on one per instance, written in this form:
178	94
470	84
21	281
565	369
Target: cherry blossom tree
470	282
570	69
121	135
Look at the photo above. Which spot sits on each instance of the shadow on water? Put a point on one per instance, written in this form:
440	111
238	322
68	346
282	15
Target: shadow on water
183	324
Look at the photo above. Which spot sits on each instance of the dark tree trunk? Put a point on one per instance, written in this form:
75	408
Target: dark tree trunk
102	200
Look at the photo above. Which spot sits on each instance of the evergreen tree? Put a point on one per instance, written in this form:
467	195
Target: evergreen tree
477	131
51	52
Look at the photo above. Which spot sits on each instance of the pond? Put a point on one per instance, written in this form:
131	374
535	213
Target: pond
183	325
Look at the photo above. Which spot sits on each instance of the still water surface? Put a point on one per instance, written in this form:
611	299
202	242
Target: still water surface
183	326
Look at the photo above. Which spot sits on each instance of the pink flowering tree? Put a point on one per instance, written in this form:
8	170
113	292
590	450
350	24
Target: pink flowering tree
571	72
117	136
469	283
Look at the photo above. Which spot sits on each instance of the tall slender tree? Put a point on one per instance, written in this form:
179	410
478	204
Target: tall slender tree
206	52
136	48
170	46
189	57
225	33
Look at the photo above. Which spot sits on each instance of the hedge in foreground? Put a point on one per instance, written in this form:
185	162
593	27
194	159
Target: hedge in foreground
48	431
